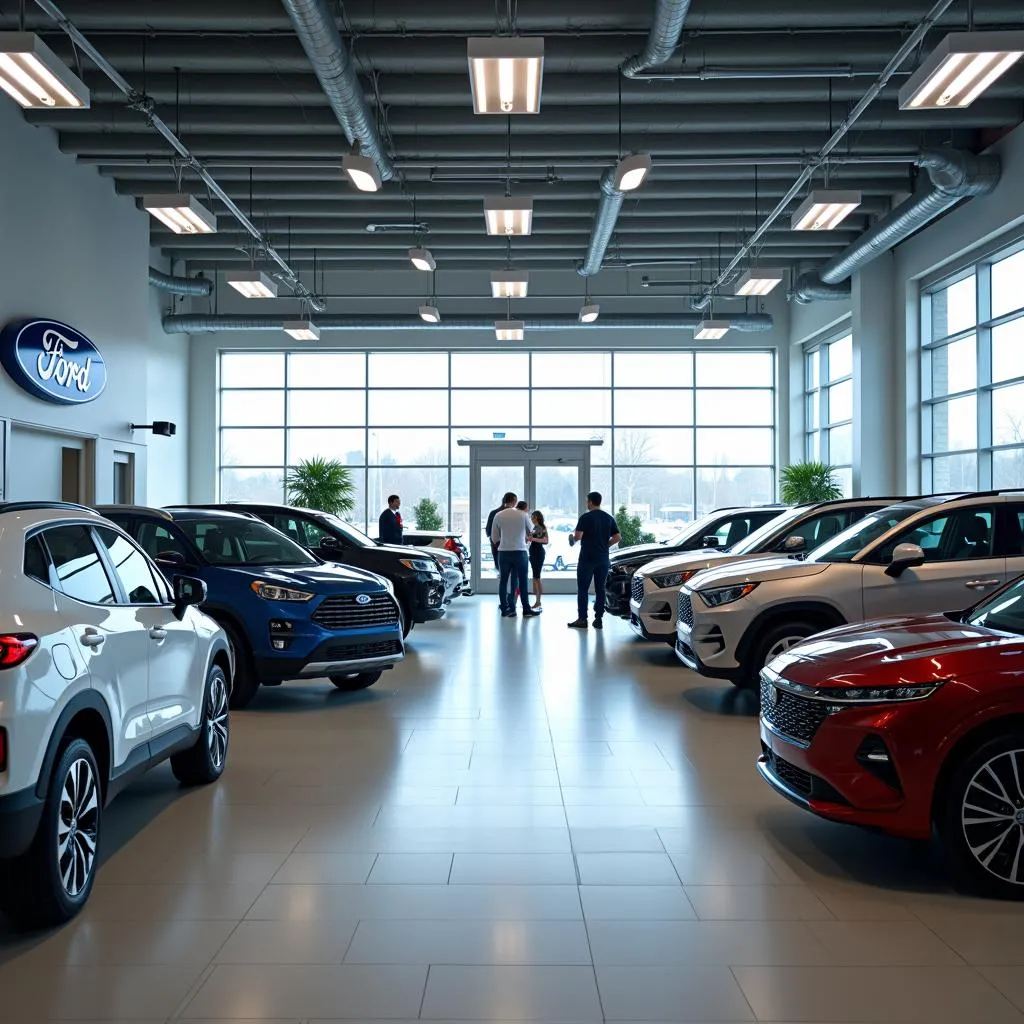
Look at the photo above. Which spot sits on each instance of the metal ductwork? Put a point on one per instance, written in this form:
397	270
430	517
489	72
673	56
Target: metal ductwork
669	17
189	323
605	219
954	175
314	24
179	285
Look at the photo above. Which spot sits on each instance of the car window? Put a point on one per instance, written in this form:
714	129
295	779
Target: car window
131	567
856	537
290	527
37	562
352	536
158	541
731	531
955	536
79	568
1014	529
243	542
1004	610
822	527
767	536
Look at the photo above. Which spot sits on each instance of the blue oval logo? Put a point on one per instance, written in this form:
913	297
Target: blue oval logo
362	599
53	361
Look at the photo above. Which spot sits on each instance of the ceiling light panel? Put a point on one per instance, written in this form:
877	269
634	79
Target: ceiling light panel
960	69
589	313
34	76
422	259
508	216
182	213
825	209
430	314
361	172
758	281
301	330
509	284
505	74
509	330
631	171
252	284
711	330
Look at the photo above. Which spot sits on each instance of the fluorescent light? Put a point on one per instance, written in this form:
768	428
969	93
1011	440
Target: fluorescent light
505	74
631	171
253	284
182	213
361	171
509	284
422	259
960	69
509	330
33	75
301	330
589	313
508	216
758	281
825	209
431	314
711	330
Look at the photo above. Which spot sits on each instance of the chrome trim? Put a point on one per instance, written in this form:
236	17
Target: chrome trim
835	697
791	740
780	787
323	668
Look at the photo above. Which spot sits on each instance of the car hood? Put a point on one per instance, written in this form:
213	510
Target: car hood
696	561
321	579
641	551
898	650
763	569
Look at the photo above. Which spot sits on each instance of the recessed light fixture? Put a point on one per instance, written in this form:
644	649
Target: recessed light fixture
430	314
505	74
711	330
509	284
825	209
960	69
361	171
182	213
758	281
301	330
508	216
509	330
589	313
34	76
631	171
253	284
422	259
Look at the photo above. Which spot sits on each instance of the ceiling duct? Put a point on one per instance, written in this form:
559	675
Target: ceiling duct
314	24
605	219
179	285
954	175
669	16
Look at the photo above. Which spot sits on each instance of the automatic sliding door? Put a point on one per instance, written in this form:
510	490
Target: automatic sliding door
494	483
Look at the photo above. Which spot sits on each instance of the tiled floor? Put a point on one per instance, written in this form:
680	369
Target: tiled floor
522	823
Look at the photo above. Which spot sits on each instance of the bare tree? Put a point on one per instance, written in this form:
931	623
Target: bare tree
632	450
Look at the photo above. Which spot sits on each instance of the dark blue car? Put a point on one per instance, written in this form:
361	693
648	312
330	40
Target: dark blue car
288	614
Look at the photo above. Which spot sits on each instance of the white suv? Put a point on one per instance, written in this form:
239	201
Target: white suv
105	670
931	554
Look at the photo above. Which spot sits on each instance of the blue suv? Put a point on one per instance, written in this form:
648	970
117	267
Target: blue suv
287	614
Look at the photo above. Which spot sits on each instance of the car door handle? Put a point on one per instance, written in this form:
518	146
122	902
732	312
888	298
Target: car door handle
156	633
92	638
982	584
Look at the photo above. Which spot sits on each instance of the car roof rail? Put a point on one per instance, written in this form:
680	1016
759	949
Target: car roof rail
994	493
148	510
240	512
26	506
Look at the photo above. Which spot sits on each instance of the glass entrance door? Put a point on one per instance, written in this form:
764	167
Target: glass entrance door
493	482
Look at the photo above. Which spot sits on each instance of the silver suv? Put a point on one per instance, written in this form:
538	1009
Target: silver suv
930	554
655	587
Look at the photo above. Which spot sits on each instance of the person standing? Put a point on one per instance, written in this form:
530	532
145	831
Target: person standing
538	542
595	533
389	526
510	531
494	547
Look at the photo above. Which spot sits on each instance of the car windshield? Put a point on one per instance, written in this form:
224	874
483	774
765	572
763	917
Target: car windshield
855	538
243	542
355	537
773	530
1003	611
694	529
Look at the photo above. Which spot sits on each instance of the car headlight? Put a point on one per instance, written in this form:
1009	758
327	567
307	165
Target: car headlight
419	564
272	592
718	596
839	697
673	579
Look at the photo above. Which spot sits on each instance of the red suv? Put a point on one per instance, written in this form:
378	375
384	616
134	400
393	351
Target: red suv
911	726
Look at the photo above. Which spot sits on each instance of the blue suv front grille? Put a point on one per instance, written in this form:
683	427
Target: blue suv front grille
345	612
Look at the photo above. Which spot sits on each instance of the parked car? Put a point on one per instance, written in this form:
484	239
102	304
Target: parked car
287	613
913	726
417	577
718	531
922	555
454	582
446	539
105	671
654	589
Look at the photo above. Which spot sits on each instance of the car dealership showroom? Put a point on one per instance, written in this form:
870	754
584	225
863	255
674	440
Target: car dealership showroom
512	512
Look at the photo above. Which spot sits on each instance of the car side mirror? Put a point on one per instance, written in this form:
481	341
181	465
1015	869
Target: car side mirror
905	556
711	541
329	543
187	591
170	558
794	543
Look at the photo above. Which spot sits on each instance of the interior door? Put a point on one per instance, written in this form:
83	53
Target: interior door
492	483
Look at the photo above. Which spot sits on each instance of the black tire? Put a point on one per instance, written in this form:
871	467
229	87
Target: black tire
51	882
767	645
359	681
983	851
246	682
204	762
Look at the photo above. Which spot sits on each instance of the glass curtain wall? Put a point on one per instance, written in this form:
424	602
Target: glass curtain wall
684	432
828	376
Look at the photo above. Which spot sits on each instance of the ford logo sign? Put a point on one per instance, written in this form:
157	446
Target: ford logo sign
363	599
53	361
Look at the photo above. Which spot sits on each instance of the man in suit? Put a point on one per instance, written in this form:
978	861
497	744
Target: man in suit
390	523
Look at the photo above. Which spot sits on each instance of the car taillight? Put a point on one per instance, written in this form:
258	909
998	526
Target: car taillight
451	545
15	648
3	750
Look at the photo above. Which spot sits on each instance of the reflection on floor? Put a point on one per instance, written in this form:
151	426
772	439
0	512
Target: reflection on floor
520	823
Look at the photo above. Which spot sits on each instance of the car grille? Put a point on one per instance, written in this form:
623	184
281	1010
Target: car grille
343	612
684	609
796	778
378	649
798	718
637	589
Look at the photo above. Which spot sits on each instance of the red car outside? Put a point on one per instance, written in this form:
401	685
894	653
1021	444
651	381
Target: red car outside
913	726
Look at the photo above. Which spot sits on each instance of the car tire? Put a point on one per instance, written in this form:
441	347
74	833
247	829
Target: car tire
979	860
51	882
246	682
359	681
771	642
204	762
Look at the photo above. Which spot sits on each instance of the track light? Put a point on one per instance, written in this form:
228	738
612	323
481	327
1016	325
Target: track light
960	69
711	330
35	77
825	209
422	259
508	216
509	284
301	330
361	171
430	314
252	284
509	330
589	313
505	74
631	171
758	281
182	213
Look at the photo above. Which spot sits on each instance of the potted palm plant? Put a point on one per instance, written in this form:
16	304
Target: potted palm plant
805	482
323	484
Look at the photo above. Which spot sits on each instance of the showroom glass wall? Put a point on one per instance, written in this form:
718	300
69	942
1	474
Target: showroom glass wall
973	377
828	398
684	431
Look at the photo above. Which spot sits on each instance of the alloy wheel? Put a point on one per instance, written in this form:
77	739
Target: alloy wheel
782	645
77	827
992	816
217	720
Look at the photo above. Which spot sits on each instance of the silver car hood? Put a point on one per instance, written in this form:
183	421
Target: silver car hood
760	570
697	560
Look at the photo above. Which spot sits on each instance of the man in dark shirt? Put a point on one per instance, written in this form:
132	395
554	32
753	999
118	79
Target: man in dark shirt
595	533
494	547
390	523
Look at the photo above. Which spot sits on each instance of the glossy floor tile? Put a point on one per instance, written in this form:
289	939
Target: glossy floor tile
520	823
